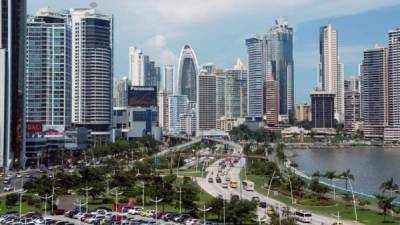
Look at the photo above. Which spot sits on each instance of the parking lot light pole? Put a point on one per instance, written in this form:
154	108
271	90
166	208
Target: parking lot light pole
116	193
20	202
87	189
45	197
204	210
180	200
156	201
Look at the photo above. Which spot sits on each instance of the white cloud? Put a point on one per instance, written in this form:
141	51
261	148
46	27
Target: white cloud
157	44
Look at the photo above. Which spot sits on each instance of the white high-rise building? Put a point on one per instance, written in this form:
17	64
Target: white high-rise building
330	71
136	67
168	79
92	72
177	105
163	109
206	102
120	92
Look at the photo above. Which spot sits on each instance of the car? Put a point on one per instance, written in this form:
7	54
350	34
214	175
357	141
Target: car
135	211
18	175
218	179
7	188
192	221
28	176
210	180
262	205
225	185
269	211
169	216
227	179
337	223
182	218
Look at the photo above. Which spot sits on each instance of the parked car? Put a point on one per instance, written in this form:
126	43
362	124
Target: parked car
263	205
135	211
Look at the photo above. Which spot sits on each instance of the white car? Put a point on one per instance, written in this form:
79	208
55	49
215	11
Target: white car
225	185
135	211
192	222
95	218
7	188
19	175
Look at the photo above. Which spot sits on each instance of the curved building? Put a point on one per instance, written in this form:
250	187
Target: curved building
187	73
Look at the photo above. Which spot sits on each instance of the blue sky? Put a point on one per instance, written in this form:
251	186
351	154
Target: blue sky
216	29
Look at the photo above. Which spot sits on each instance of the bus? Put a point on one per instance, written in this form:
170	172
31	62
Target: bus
234	184
248	185
302	216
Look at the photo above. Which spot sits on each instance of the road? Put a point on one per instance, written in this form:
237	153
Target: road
215	189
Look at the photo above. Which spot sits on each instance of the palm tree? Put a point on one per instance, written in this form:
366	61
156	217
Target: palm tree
331	175
316	174
347	176
390	186
386	204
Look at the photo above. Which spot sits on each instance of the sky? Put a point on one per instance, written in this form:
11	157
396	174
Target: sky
216	29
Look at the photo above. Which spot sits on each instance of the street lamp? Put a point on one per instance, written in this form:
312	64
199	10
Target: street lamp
156	201
270	183
45	197
116	198
180	200
142	186
354	200
20	202
87	189
204	210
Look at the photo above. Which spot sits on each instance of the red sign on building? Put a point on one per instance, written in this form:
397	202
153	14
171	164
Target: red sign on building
34	127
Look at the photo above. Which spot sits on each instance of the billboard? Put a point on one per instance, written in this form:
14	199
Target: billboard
34	127
142	96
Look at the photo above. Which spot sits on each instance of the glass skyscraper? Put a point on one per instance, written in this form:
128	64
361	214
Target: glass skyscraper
236	91
187	73
48	69
279	58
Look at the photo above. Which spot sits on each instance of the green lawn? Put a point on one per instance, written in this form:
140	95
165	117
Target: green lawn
346	211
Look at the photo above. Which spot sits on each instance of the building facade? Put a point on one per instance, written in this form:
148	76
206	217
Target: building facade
392	131
303	112
280	63
220	92
136	66
12	83
271	101
352	105
48	69
120	92
168	78
92	72
374	75
187	74
177	105
236	91
206	102
322	109
163	109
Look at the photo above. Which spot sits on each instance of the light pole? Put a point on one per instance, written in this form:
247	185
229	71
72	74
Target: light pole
79	204
270	183
142	186
204	210
180	200
20	202
291	189
87	189
116	193
354	200
156	201
45	197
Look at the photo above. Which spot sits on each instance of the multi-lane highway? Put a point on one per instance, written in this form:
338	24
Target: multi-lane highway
216	189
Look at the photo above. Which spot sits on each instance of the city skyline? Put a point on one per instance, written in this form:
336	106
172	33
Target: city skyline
164	45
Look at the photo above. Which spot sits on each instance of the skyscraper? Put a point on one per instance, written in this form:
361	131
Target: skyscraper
177	105
206	102
392	131
331	73
168	79
280	63
120	92
163	109
136	66
256	76
352	105
271	54
271	101
187	74
322	109
303	112
373	91
220	92
92	71
48	69
12	86
236	91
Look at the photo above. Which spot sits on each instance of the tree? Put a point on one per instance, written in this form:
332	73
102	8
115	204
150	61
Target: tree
190	194
318	188
241	211
11	199
390	186
347	176
217	206
386	204
331	175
